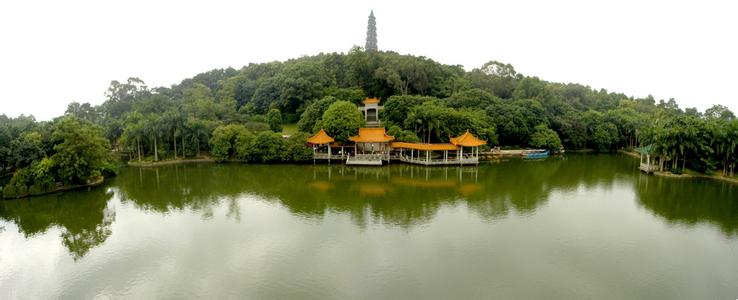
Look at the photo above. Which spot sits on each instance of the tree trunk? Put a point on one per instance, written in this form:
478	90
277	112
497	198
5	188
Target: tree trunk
175	145
674	163
156	150
138	149
725	164
684	163
184	154
429	132
198	147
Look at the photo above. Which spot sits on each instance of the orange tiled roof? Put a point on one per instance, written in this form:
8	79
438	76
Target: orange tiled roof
372	135
424	147
371	101
320	138
467	140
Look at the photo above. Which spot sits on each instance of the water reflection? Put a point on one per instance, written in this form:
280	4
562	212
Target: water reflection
402	195
83	217
406	195
396	195
691	202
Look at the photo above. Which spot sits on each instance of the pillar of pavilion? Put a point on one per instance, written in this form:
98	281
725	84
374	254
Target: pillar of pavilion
318	140
470	141
372	140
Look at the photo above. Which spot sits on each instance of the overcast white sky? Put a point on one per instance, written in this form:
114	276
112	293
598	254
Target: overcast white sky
55	52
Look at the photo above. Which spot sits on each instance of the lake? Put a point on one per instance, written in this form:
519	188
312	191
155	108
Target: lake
578	226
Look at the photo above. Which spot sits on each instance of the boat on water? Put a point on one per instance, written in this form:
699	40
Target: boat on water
535	154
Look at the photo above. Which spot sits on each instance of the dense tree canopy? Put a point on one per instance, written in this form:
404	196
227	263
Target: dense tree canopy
68	151
423	101
545	138
341	120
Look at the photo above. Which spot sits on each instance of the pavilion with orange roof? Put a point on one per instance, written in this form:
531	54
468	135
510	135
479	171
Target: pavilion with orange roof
373	145
456	145
320	139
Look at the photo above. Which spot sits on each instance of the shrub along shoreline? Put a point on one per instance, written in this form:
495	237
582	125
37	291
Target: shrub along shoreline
693	174
94	182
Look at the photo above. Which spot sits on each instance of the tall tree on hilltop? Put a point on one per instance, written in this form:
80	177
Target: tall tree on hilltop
371	34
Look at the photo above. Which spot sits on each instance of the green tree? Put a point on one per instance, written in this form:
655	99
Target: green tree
83	111
719	112
199	131
341	120
403	135
473	98
314	113
266	147
82	151
294	149
121	96
604	136
545	138
27	148
226	141
396	108
274	118
134	133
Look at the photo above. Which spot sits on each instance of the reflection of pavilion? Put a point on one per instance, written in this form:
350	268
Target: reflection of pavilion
372	146
379	181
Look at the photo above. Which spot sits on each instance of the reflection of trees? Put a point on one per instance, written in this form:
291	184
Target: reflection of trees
399	194
691	201
83	217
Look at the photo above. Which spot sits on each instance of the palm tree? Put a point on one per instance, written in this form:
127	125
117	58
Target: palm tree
134	131
198	132
172	121
154	127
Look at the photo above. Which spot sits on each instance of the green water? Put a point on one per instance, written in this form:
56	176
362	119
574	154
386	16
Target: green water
582	226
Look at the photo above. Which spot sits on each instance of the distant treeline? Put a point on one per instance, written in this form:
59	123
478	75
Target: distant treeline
237	114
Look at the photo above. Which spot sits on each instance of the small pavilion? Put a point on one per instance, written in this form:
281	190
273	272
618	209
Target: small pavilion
371	110
470	141
649	164
371	140
318	141
422	153
417	157
372	144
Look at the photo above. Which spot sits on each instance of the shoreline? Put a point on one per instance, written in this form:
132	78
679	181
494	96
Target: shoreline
621	151
98	181
170	162
683	176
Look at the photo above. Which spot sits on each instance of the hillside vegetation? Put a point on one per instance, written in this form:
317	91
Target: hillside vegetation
238	114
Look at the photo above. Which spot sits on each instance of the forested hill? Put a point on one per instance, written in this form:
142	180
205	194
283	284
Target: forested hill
423	99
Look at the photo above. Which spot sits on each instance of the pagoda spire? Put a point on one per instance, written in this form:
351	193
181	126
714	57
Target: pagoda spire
371	33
